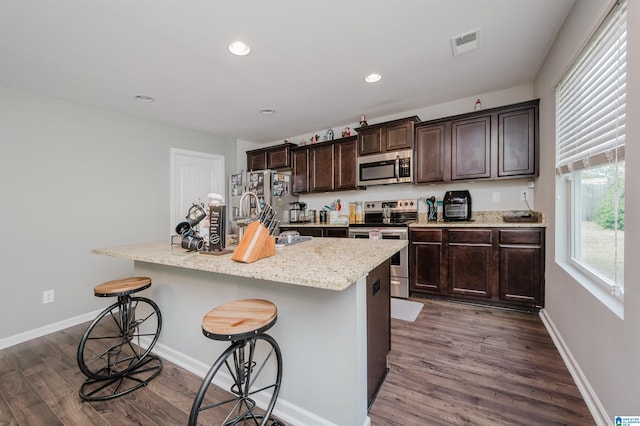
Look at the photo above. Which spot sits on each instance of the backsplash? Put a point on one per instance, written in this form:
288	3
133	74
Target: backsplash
485	195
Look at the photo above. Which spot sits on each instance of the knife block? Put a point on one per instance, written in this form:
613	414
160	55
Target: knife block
256	243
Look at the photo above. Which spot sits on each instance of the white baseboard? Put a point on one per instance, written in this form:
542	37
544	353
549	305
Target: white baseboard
596	408
47	329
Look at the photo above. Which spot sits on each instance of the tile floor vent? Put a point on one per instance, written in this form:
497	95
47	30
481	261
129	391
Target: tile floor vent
466	42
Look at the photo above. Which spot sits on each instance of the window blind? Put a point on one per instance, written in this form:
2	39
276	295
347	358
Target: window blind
591	100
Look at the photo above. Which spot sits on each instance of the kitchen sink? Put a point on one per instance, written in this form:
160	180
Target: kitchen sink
295	240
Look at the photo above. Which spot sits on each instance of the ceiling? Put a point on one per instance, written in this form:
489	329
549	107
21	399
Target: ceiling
308	59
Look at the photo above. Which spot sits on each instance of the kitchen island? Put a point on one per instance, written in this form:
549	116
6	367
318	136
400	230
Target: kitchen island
319	287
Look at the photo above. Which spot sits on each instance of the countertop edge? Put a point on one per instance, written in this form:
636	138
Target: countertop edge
321	274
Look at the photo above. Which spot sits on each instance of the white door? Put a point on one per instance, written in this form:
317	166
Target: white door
193	176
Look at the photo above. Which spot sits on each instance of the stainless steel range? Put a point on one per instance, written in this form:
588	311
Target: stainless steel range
391	220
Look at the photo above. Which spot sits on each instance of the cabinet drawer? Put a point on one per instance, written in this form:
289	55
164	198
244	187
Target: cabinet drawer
521	236
470	236
426	235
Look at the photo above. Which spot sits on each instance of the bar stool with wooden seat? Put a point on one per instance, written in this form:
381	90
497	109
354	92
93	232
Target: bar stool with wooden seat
251	367
115	350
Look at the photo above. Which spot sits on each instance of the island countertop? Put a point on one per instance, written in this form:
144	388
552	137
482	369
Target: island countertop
328	263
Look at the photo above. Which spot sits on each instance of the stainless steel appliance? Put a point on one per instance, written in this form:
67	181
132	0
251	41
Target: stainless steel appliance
382	169
456	205
271	187
297	212
390	220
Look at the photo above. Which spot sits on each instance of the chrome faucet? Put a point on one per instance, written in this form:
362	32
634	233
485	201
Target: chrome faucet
245	218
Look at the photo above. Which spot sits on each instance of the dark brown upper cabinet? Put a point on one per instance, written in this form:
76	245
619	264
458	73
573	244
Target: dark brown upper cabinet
518	141
345	151
321	167
325	166
257	160
387	136
431	142
497	143
471	148
273	157
300	170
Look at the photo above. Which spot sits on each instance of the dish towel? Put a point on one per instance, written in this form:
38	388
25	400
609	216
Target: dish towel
405	310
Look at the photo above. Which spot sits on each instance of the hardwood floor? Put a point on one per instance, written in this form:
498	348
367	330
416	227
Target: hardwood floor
456	364
462	364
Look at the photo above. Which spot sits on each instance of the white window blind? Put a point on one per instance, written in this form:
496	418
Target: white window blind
590	100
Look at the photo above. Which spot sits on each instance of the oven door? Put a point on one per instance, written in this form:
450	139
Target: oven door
399	270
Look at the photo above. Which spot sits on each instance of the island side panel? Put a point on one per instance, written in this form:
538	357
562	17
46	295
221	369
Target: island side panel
322	335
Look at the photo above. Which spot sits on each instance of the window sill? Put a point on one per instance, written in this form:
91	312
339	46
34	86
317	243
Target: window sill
613	302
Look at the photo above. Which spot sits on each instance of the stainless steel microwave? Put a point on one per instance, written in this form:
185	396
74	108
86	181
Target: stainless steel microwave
383	169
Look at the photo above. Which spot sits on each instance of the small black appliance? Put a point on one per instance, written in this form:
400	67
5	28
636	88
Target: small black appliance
457	205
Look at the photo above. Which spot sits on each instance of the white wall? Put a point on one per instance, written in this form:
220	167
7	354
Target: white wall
604	348
73	178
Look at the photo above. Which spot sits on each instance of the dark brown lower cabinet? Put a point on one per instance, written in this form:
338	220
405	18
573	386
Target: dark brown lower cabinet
426	262
318	231
378	327
503	266
521	270
470	263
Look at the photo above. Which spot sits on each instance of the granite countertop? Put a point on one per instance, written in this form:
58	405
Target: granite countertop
481	219
328	263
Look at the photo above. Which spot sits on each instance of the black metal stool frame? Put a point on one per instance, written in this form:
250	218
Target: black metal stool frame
114	360
244	372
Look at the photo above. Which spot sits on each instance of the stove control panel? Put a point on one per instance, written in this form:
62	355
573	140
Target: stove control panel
408	205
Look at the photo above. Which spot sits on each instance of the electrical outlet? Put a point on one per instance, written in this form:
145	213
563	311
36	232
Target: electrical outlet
495	196
523	195
47	296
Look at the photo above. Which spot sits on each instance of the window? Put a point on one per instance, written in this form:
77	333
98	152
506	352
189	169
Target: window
590	138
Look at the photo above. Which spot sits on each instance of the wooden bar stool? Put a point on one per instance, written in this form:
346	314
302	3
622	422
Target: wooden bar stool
251	367
115	351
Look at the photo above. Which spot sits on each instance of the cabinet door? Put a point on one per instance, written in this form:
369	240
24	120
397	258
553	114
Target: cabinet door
370	141
470	262
345	164
400	136
471	148
300	171
310	231
257	160
469	270
336	232
321	168
522	266
426	268
517	143
430	145
279	158
427	262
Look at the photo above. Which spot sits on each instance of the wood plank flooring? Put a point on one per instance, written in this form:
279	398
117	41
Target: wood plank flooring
462	364
456	364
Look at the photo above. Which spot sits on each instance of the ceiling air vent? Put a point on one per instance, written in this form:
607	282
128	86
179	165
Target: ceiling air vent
466	42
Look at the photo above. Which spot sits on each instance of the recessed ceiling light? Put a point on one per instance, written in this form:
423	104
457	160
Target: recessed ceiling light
372	78
267	111
143	98
239	48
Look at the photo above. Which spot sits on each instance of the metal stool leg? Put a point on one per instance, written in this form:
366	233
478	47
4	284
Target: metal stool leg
252	371
114	352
